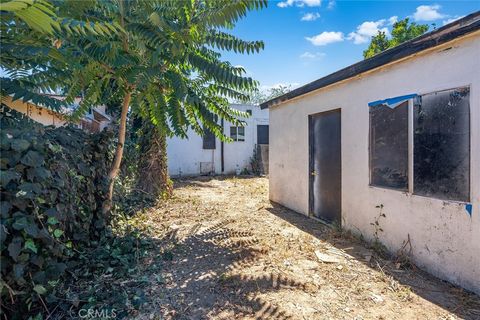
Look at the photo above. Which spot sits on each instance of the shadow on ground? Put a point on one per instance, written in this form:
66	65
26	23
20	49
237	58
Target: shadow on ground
198	284
462	303
194	268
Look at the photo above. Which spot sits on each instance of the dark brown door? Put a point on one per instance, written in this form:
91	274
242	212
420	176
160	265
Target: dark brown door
262	134
326	166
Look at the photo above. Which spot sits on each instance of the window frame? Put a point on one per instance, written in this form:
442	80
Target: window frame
235	136
410	185
209	140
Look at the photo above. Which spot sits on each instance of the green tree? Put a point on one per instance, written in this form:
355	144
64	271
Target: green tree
402	31
379	43
161	59
258	96
32	56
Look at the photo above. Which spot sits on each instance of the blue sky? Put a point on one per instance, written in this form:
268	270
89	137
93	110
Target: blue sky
308	39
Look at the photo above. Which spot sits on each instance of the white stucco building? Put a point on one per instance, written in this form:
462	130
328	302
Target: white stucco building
400	133
197	156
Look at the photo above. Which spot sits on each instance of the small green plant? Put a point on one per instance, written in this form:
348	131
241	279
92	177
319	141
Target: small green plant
377	246
255	162
376	224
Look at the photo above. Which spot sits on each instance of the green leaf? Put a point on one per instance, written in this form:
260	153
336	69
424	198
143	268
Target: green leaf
40	289
32	159
20	223
52	220
20	145
57	233
29	244
15	247
7	176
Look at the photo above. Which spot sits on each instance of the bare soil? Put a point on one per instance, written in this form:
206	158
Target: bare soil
229	253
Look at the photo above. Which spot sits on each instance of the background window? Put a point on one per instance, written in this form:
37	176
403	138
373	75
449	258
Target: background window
389	146
208	139
240	133
209	136
233	133
237	133
442	145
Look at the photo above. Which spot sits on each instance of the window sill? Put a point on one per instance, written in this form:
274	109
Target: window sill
407	193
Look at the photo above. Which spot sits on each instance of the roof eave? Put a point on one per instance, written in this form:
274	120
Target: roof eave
432	39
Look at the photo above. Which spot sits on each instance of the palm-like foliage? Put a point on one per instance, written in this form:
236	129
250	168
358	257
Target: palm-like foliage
162	59
32	57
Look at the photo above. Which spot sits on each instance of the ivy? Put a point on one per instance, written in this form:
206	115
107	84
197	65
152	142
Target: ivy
52	184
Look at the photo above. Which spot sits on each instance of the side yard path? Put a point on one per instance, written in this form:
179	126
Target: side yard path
228	253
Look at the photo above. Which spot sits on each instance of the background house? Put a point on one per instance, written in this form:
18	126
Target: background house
199	155
94	121
397	134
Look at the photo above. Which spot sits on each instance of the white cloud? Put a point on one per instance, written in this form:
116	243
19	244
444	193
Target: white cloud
367	30
312	56
311	16
452	19
331	4
392	20
300	3
428	13
325	38
312	3
285	4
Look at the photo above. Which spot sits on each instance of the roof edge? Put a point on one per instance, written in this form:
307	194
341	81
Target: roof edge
447	33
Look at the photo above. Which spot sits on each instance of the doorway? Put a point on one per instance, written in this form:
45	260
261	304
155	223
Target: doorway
325	192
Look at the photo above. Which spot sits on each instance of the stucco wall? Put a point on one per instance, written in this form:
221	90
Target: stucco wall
185	155
444	237
36	113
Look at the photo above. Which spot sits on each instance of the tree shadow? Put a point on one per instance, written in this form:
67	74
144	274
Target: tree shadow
203	181
193	273
457	300
205	280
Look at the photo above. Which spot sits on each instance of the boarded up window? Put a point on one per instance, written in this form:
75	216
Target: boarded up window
442	145
262	134
389	146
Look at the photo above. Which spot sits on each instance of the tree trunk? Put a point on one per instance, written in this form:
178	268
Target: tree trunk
107	204
153	166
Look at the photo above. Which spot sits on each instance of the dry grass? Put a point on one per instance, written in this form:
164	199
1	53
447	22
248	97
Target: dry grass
231	254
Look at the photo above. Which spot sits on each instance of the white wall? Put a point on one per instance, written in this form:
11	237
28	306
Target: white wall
185	155
445	239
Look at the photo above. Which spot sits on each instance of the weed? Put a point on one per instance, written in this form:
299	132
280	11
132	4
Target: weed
376	245
376	223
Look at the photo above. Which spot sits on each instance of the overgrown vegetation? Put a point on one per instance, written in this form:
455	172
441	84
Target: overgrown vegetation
256	162
159	59
52	186
155	61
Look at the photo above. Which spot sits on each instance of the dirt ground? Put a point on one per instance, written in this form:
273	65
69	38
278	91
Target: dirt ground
229	253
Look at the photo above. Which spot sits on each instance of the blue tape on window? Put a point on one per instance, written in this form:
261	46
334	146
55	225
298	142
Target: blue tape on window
392	102
469	208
